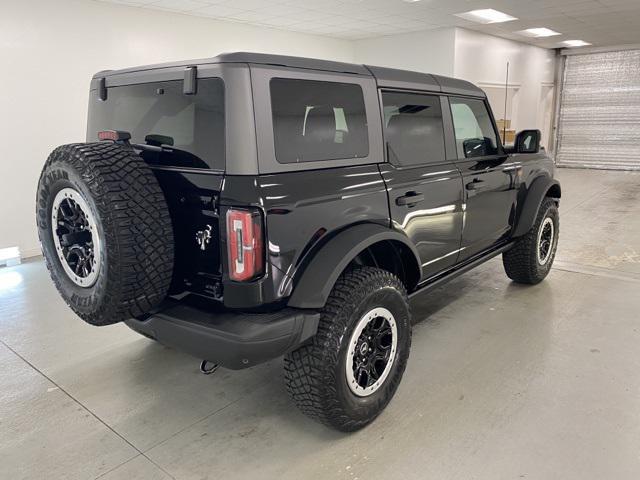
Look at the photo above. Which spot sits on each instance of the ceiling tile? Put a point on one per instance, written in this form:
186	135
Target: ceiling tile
177	5
247	4
279	22
216	11
601	22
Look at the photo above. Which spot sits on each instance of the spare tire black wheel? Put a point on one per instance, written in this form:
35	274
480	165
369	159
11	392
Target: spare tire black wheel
105	231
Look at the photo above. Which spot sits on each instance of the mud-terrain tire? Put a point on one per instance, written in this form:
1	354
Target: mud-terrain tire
317	374
531	258
121	263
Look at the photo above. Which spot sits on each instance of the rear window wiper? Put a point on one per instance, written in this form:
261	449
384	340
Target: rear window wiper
155	143
158	140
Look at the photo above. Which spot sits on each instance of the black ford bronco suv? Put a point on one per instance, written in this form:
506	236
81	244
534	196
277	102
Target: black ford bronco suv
249	206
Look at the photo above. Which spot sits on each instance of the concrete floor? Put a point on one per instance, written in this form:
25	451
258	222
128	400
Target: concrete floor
504	381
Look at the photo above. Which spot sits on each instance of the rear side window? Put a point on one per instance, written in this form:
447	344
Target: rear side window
316	120
413	128
190	128
475	136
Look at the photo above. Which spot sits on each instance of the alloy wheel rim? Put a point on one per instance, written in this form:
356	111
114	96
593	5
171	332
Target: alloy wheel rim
75	235
545	241
372	348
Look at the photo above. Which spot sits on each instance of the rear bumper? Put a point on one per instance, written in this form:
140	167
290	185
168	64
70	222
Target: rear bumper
233	340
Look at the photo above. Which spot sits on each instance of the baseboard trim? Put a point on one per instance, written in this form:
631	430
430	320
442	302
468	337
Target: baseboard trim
31	253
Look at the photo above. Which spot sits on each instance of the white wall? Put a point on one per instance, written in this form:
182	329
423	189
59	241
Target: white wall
431	51
482	59
50	49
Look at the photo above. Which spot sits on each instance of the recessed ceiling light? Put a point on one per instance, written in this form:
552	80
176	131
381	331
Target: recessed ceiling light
486	15
538	32
575	43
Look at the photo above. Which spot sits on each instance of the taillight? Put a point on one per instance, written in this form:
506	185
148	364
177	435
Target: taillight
114	135
245	244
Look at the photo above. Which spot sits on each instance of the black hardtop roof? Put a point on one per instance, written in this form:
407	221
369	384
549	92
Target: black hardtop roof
385	77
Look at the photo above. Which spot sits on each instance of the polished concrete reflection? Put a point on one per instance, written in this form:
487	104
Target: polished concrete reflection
504	381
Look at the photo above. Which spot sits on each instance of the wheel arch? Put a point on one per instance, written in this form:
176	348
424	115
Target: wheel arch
541	187
554	191
364	244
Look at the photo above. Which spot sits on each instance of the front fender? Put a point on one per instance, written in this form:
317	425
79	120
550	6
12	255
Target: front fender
321	274
536	193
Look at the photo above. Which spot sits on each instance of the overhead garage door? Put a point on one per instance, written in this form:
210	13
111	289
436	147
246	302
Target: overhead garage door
599	124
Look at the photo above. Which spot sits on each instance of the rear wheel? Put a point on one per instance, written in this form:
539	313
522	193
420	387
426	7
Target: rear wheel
531	258
350	371
105	231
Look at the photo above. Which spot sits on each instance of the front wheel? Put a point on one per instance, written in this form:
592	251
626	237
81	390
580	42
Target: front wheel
530	259
350	371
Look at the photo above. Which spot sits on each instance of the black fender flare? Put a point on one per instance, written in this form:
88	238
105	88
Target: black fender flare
536	193
318	278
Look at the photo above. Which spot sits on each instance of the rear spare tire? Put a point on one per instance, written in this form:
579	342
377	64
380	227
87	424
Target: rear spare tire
105	231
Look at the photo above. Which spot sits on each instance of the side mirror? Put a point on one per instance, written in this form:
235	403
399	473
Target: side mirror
527	141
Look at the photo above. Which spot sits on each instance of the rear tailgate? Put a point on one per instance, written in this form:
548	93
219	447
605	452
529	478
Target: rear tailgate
182	137
193	199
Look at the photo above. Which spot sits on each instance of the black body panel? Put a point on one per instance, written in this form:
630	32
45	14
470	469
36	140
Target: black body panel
490	187
302	210
434	222
192	198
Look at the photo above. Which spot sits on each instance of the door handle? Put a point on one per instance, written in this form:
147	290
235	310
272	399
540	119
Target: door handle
476	184
512	168
410	199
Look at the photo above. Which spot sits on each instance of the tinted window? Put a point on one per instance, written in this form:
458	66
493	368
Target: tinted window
189	127
315	120
475	136
413	128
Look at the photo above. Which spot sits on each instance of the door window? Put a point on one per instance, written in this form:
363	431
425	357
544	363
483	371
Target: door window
475	135
413	128
315	120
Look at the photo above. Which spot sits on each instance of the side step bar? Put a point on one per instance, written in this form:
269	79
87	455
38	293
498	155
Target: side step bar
448	275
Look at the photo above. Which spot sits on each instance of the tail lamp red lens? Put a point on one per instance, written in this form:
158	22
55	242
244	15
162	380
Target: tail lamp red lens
114	135
245	244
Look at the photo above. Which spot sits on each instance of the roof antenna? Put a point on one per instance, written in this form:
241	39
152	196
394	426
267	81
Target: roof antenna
506	90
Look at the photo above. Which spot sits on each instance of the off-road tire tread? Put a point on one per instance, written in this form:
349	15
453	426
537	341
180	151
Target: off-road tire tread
138	233
520	262
309	371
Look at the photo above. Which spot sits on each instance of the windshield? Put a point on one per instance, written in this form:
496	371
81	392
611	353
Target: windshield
189	128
